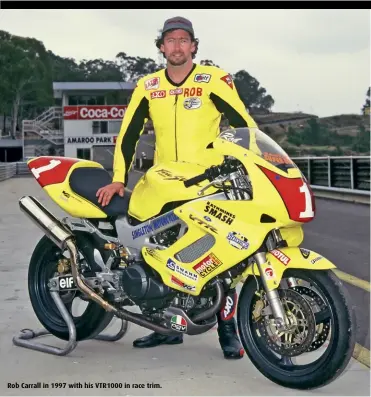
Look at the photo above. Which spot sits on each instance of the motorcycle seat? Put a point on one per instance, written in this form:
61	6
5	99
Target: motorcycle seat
86	181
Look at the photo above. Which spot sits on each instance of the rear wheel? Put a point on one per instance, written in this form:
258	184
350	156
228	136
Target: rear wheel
44	266
322	322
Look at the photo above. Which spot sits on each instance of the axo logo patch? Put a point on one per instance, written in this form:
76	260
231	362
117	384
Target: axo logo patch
158	94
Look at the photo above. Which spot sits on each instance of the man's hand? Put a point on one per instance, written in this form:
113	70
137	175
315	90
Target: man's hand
105	193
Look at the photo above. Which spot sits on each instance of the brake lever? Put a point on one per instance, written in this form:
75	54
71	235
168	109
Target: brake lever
219	179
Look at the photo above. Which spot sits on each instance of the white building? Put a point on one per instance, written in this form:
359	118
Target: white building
84	125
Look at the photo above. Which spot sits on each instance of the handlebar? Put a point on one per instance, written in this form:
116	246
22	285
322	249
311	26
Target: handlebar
210	174
196	179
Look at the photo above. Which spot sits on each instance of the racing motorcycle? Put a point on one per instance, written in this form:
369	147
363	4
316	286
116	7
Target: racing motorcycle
186	234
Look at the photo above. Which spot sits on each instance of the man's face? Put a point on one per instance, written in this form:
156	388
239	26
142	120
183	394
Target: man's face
178	47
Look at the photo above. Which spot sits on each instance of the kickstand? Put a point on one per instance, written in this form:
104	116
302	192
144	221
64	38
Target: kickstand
24	339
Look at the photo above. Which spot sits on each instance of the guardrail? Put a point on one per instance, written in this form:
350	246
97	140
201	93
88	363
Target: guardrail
7	170
10	170
337	172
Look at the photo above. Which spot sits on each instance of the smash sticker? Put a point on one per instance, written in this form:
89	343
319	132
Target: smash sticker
228	80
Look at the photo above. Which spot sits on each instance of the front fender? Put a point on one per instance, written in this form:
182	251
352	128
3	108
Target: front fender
282	259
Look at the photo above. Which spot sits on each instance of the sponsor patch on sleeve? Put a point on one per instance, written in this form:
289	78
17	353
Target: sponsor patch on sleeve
228	80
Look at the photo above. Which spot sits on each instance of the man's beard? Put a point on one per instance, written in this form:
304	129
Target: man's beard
177	61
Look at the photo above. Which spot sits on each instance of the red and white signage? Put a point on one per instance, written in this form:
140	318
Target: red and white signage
96	112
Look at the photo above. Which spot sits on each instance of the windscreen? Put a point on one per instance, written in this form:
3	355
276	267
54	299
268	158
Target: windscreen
261	144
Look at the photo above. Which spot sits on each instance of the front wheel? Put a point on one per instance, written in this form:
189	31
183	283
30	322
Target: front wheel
322	321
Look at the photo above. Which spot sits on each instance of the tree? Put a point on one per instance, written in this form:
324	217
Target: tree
252	94
24	69
208	62
366	106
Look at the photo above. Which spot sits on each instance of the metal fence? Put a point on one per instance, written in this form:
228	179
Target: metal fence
337	173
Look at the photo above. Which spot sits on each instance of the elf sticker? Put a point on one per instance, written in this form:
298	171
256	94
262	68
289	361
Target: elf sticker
178	323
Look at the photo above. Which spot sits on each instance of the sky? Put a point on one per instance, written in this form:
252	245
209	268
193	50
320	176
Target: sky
314	61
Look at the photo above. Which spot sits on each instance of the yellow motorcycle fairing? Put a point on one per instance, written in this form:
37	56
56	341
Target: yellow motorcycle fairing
163	183
279	260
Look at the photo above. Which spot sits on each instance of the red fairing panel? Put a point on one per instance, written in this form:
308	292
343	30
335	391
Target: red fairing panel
296	194
50	170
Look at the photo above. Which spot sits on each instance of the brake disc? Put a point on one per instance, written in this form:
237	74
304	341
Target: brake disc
322	329
303	326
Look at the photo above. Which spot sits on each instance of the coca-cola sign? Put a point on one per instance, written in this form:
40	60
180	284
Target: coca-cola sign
96	112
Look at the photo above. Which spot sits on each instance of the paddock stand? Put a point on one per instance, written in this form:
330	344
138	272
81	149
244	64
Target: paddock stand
26	336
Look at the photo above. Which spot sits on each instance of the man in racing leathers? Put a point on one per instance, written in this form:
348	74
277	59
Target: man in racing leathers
185	102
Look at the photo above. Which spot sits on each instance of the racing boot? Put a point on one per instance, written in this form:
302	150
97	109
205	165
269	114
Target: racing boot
156	339
227	328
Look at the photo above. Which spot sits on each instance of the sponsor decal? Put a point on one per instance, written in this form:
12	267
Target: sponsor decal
281	256
168	176
178	269
94	112
182	285
228	80
207	265
178	323
66	283
154	253
92	140
152	84
158	94
176	91
237	240
229	307
277	158
170	264
313	261
192	103
202	78
269	273
219	213
155	224
201	222
305	253
191	92
228	136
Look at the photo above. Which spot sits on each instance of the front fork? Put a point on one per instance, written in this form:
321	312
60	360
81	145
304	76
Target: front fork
267	276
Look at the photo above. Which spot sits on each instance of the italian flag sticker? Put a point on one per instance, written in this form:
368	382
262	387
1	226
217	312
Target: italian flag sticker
178	323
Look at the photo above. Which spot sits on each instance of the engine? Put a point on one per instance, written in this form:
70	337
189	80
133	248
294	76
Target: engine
144	286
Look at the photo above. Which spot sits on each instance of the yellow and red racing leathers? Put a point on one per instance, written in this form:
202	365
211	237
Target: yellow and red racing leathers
186	117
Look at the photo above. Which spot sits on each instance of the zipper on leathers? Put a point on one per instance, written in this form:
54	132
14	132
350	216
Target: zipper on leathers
176	143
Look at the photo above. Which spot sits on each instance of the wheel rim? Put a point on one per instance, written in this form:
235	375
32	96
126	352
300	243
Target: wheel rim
46	271
285	364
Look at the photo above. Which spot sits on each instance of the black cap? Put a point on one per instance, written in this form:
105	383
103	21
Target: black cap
178	23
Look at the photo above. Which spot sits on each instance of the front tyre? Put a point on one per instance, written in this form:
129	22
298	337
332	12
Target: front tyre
328	319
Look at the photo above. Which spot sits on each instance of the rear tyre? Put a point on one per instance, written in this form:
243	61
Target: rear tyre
42	267
279	368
